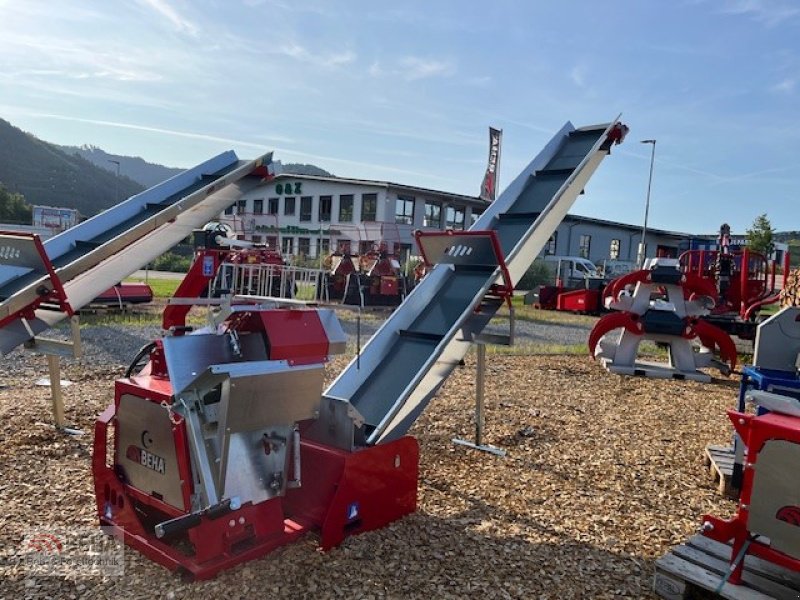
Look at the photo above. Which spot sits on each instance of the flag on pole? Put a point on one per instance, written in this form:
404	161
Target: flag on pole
489	185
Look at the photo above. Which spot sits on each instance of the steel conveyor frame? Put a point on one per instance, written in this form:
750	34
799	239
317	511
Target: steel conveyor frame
91	257
415	350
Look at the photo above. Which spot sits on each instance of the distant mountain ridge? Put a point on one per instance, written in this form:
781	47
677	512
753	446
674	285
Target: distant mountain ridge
145	173
149	174
46	175
84	177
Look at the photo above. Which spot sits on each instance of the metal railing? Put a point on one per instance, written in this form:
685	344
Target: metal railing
278	281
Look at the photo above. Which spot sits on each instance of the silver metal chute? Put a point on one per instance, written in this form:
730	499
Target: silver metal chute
94	255
411	355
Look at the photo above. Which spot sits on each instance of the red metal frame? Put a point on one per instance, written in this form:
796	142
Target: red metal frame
755	431
57	294
752	286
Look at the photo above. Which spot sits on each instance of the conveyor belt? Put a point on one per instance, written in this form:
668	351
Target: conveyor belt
411	355
98	253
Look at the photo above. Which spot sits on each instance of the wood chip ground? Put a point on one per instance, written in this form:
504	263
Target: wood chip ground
604	475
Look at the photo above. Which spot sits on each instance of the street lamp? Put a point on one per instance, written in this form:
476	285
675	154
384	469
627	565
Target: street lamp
643	243
116	183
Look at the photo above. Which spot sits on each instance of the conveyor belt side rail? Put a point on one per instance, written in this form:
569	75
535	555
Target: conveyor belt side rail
26	251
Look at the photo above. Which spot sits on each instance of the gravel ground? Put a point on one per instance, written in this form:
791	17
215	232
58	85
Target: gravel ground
603	475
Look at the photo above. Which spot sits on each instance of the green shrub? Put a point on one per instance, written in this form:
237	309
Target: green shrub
170	261
538	274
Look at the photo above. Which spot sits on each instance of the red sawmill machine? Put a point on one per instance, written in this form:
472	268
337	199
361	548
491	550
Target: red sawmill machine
221	444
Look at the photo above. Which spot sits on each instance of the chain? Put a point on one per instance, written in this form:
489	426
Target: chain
175	418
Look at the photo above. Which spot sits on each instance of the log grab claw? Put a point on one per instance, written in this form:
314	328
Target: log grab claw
663	305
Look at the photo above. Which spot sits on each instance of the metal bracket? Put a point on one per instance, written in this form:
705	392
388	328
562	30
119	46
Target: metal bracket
481	341
54	350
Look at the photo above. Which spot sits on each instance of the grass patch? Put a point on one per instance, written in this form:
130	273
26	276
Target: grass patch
162	288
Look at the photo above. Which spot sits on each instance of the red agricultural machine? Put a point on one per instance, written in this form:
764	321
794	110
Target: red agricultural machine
224	265
372	279
706	295
221	444
745	282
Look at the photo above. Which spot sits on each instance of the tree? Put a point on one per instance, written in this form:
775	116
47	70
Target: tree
760	234
13	208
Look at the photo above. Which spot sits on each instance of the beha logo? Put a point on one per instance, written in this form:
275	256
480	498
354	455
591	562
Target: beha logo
146	459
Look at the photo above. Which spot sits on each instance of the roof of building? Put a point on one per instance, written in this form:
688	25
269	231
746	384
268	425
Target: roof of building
387	184
635	228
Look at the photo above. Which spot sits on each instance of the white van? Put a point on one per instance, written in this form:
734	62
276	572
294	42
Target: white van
572	267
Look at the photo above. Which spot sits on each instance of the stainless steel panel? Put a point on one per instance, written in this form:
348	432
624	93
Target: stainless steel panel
283	397
777	341
145	426
254	475
188	356
337	338
775	487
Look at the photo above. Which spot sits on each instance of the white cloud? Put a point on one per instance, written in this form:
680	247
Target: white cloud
328	61
167	11
768	12
787	86
416	67
578	75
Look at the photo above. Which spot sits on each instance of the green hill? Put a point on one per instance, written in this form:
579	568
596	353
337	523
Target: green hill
45	175
136	168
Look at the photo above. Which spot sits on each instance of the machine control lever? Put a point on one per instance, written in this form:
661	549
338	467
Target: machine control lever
184	522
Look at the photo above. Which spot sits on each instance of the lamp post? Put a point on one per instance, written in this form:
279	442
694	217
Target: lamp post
643	243
116	182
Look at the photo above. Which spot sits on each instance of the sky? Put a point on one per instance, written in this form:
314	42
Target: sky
405	92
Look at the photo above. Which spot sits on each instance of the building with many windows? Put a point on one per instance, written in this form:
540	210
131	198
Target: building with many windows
309	215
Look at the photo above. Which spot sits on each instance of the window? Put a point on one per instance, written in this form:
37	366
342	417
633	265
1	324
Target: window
343	246
288	205
404	210
272	241
369	207
613	253
256	239
258	206
229	210
455	217
304	246
346	208
325	246
325	203
306	203
476	214
403	251
241	237
287	244
550	248
433	215
241	207
584	246
272	208
365	246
